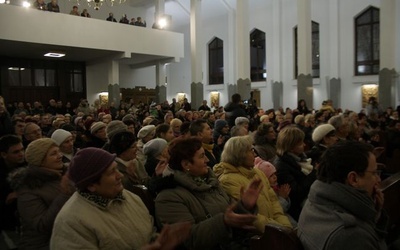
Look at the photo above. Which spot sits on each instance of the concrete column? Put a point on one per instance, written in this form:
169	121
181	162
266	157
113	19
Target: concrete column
304	79
113	82
276	68
195	52
161	90
333	80
387	73
243	49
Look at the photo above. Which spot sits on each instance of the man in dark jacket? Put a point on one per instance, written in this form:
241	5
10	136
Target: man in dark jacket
234	109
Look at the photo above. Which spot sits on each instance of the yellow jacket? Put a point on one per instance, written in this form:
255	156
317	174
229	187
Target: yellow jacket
269	209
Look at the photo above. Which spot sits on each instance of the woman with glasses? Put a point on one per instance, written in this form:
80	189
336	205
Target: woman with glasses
236	170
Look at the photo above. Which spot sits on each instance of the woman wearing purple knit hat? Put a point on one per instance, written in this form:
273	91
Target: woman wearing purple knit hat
101	214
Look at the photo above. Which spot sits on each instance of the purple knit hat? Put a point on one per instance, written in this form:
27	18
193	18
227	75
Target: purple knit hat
88	165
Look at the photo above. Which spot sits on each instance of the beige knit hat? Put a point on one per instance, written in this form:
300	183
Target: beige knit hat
321	131
37	150
115	127
96	126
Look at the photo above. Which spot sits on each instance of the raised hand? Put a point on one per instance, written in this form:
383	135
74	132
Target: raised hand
284	191
249	196
233	219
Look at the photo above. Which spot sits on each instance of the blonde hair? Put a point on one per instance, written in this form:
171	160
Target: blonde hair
288	138
235	150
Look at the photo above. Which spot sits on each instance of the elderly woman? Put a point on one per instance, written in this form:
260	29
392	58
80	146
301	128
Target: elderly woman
264	142
197	197
323	136
293	167
40	195
236	170
101	214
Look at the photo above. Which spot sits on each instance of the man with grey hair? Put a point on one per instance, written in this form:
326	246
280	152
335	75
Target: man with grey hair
341	125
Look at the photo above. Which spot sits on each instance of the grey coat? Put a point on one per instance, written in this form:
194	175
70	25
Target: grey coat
337	217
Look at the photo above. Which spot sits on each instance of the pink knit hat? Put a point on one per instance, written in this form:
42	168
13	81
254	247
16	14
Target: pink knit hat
266	167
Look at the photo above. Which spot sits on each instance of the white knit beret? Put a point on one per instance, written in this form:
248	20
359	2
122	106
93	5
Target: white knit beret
155	147
97	126
321	131
60	135
145	131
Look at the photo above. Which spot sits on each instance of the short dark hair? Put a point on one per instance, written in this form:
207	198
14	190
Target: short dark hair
8	141
342	158
162	128
196	127
183	149
236	98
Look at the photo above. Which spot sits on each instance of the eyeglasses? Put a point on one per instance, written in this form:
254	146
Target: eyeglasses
377	172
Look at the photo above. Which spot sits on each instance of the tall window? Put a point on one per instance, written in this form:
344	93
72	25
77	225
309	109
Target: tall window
258	65
314	50
367	42
216	61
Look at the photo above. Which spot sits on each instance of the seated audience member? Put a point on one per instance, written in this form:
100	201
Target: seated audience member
139	22
53	6
124	145
154	151
5	119
109	217
74	11
282	191
124	19
344	207
204	106
144	135
341	125
132	22
32	132
85	13
12	158
40	196
236	170
65	141
176	126
293	167
323	136
264	142
111	18
221	131
40	5
201	129
19	127
97	136
197	197
242	122
238	131
165	132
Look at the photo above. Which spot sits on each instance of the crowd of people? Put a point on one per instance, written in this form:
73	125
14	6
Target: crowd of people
53	6
226	170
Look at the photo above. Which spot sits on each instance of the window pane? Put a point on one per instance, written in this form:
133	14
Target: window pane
78	83
216	62
364	69
50	77
39	77
375	41
363	43
258	68
26	79
375	69
13	77
375	15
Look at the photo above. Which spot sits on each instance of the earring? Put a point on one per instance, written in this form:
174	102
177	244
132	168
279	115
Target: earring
188	169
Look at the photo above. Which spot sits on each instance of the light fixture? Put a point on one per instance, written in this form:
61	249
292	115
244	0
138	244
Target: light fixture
15	68
26	4
55	54
5	1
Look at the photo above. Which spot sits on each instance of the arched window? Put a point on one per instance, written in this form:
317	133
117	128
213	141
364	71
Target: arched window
314	50
367	42
258	65
216	61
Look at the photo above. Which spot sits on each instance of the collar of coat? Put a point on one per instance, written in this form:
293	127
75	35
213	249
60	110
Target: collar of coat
226	168
100	200
198	184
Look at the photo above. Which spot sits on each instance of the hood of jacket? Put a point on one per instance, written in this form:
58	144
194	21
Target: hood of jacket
31	177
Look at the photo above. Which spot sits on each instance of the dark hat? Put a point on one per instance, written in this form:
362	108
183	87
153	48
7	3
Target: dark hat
121	141
219	125
88	165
